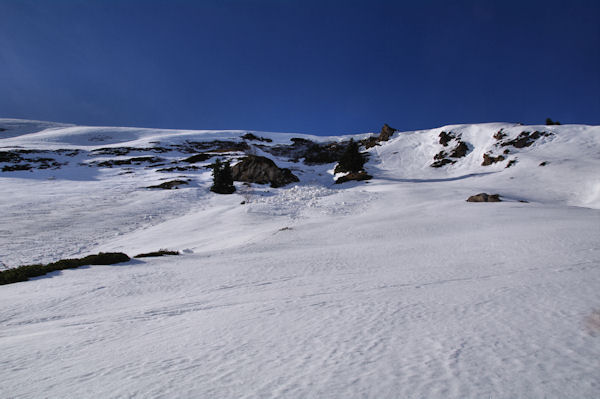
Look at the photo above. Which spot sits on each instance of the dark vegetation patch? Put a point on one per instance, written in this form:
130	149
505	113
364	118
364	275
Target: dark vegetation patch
22	273
356	176
488	159
484	197
22	160
352	160
160	252
262	170
222	178
252	137
551	122
169	185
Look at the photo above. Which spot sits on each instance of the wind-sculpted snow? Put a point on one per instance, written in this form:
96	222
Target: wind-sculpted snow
393	288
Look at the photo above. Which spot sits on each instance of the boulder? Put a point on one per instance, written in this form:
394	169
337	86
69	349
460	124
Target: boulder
262	170
357	176
484	197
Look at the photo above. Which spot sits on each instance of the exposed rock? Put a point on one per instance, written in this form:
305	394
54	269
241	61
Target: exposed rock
12	168
525	139
261	170
357	176
197	158
313	153
500	134
442	162
440	155
483	197
445	138
511	163
135	161
168	185
386	132
384	135
543	163
488	159
179	168
252	137
460	150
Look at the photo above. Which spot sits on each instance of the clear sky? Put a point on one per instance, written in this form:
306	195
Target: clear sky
321	67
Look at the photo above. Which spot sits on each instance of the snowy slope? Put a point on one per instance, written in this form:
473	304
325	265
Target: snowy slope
392	288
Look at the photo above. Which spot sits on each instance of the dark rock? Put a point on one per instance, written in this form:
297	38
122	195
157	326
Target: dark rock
130	161
483	197
442	162
252	137
386	132
511	163
197	158
356	176
261	170
12	168
168	185
384	135
507	151
543	163
525	139
460	150
500	135
488	159
179	168
445	138
440	155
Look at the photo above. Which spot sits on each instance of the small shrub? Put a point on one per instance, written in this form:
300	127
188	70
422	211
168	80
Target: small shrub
352	160
551	122
222	178
160	252
23	273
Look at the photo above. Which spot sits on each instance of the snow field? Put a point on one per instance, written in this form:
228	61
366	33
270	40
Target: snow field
392	288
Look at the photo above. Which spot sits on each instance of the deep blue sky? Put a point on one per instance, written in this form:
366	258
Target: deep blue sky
322	67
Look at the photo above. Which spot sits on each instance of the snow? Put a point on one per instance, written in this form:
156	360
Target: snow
392	288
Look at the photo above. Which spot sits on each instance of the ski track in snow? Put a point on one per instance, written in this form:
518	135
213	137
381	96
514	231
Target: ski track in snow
394	288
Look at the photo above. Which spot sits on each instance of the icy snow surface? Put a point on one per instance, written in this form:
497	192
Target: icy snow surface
392	288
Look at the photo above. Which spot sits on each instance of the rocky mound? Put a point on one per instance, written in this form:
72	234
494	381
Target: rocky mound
484	197
356	176
384	135
262	170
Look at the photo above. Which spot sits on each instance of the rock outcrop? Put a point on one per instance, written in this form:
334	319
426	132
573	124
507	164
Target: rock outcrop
484	197
357	176
262	170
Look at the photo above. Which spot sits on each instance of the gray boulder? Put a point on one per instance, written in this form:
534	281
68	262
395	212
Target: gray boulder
261	170
483	197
